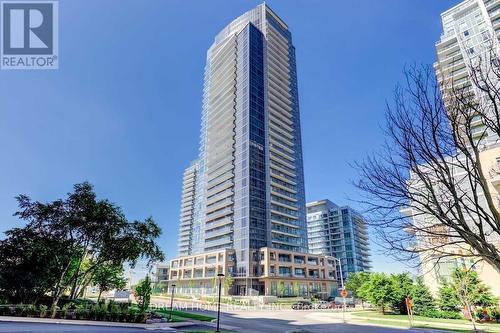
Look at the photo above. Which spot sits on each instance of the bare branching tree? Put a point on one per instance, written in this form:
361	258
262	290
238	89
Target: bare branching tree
428	192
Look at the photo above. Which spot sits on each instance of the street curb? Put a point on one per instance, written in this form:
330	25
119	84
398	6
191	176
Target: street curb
90	323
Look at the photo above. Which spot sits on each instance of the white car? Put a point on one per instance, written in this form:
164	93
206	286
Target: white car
321	305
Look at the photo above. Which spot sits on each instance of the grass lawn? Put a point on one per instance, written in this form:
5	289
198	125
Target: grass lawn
181	314
427	326
430	323
378	315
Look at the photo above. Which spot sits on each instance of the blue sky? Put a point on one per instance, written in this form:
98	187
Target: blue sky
123	111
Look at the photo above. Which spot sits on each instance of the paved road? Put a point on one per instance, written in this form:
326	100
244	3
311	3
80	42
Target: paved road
246	325
281	320
244	320
55	328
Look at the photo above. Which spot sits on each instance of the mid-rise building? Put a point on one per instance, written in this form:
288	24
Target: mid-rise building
339	232
282	273
434	265
161	275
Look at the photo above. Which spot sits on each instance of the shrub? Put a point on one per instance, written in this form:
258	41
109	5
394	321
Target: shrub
19	310
495	314
82	313
483	314
43	310
441	314
114	311
31	310
66	310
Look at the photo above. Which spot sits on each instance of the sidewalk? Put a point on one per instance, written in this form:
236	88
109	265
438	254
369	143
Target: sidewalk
467	326
167	327
163	326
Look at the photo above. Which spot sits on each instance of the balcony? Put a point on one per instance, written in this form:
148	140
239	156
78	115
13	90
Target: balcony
284	258
495	175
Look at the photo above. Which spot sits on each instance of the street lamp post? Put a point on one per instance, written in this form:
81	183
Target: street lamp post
220	276
343	289
171	303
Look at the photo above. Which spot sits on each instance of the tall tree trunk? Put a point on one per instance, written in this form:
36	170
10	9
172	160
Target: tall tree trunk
99	297
472	319
54	304
74	286
83	286
85	281
58	291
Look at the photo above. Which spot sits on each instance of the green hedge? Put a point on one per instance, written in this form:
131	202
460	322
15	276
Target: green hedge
117	312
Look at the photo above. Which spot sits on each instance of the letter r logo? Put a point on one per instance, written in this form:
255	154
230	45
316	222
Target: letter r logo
27	28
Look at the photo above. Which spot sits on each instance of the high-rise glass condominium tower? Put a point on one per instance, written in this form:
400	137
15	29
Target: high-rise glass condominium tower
339	232
470	34
187	209
249	188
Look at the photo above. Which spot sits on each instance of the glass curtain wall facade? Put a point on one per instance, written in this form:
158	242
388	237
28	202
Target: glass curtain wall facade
250	184
470	35
187	209
339	232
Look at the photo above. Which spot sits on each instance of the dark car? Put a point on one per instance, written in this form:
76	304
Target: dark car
302	305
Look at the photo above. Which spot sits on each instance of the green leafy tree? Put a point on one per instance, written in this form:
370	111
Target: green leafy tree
422	298
402	287
447	298
70	233
108	277
378	290
281	288
355	281
30	264
296	289
228	282
471	291
190	286
142	293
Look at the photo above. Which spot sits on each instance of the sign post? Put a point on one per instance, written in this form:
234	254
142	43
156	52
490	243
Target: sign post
409	309
343	293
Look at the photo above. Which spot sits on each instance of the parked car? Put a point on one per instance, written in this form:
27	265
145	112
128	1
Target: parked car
321	305
302	305
333	305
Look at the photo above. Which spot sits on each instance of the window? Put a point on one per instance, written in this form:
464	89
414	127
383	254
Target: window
284	258
299	260
485	35
466	33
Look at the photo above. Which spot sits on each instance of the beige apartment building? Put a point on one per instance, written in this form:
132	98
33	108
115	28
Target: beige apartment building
435	269
276	273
